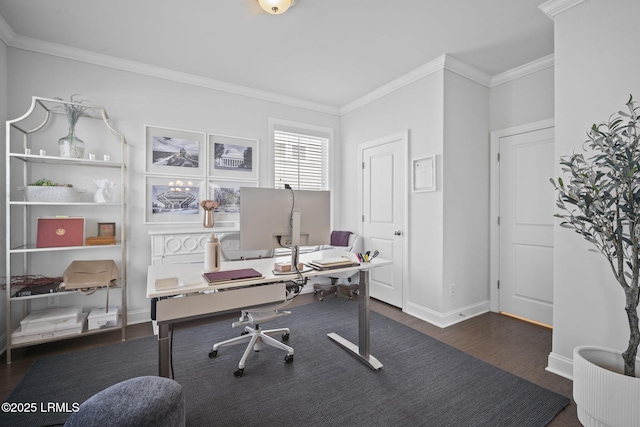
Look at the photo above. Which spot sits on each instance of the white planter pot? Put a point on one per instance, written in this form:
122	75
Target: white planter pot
603	395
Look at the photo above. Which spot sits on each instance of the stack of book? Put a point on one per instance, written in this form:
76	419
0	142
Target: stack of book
332	263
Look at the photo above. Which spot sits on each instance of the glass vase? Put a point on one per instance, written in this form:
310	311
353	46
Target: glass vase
71	146
208	218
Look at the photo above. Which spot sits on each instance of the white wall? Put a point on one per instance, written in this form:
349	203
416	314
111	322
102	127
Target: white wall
524	100
133	100
596	68
447	116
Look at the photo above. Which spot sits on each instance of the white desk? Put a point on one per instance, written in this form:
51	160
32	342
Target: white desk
199	299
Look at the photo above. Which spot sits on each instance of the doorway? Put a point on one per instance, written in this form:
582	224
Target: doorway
383	207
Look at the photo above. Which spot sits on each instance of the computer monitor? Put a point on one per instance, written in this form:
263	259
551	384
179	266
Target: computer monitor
269	217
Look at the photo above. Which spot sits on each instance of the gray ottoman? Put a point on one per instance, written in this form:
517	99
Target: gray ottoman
141	401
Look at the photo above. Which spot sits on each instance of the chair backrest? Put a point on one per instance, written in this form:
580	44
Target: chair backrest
354	245
230	249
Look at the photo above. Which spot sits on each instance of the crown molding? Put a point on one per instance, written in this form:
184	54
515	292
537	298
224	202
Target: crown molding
62	51
523	70
444	62
6	33
554	7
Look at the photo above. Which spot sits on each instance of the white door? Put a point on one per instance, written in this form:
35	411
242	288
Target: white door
383	208
527	203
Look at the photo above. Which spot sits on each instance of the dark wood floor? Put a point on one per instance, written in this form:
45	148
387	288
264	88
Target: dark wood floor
510	344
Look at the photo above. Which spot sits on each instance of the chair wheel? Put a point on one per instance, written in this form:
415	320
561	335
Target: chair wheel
288	359
213	354
238	373
285	337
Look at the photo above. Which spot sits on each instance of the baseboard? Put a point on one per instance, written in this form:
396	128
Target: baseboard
443	320
560	365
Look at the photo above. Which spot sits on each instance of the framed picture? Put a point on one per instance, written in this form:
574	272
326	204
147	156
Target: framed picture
424	174
170	199
107	229
175	152
227	194
233	158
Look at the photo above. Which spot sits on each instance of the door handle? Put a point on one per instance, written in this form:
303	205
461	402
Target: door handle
397	233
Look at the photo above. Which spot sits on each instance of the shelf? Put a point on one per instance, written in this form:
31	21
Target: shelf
55	160
66	337
61	293
31	248
21	203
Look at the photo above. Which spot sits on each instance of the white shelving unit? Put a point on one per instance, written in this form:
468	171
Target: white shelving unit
39	129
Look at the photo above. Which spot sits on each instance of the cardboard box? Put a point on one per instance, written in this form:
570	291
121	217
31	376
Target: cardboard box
70	326
100	318
57	232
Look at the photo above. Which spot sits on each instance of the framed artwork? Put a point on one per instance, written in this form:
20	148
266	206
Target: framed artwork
227	194
424	174
175	152
170	199
233	158
107	229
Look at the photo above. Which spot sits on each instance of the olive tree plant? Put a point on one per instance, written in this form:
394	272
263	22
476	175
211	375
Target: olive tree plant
601	202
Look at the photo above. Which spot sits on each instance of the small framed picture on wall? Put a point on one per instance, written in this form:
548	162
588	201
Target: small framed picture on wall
233	158
174	152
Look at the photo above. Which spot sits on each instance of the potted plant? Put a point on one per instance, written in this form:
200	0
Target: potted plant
71	146
44	190
601	202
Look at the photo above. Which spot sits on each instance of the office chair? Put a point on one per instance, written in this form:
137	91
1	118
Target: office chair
250	319
347	241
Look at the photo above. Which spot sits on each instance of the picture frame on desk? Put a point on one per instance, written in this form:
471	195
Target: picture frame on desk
227	194
233	158
173	199
175	151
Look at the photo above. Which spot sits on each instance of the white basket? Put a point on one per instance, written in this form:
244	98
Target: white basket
33	193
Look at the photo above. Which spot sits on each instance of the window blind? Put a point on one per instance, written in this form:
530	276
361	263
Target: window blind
301	160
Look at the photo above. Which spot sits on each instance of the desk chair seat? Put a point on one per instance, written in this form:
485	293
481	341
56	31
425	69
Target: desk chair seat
251	320
347	241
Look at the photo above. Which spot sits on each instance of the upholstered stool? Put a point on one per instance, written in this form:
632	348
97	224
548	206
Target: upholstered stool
142	401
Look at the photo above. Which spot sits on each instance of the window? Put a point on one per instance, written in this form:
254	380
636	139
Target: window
300	158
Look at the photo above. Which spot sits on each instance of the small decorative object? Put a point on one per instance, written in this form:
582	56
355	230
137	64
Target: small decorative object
71	146
212	254
44	190
208	206
103	193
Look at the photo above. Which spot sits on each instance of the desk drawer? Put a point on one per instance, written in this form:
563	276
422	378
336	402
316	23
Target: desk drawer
174	309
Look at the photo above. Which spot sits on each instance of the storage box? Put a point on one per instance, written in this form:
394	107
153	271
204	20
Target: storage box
62	328
57	232
43	320
100	318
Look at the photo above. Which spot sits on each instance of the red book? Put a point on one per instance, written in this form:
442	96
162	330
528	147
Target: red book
56	232
228	275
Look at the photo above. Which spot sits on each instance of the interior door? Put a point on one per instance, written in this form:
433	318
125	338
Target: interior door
383	210
526	225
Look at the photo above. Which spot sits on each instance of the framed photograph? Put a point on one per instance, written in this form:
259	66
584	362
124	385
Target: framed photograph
107	229
227	194
233	158
170	199
424	174
175	152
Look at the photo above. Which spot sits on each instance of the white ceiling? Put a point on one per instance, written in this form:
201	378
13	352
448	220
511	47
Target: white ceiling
329	52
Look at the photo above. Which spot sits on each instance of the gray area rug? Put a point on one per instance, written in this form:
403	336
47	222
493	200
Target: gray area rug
423	382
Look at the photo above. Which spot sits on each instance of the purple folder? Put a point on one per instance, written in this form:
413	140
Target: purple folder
225	276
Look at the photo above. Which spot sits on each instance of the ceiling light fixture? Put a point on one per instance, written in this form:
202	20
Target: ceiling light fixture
276	7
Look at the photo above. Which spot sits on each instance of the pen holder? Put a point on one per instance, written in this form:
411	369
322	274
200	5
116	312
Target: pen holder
367	256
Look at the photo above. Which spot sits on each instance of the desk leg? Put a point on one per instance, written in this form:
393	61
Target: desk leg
361	351
164	350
